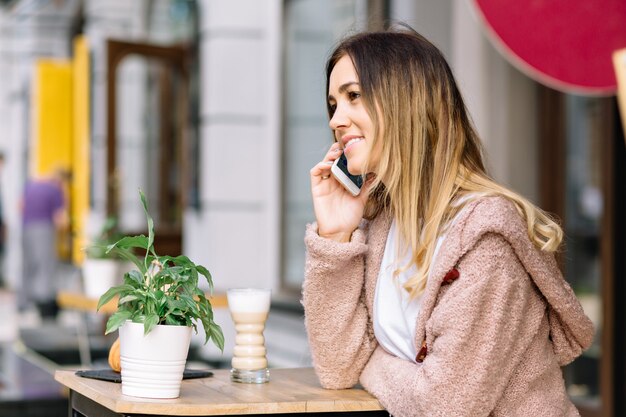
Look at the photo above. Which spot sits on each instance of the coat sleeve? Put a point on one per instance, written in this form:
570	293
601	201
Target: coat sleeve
476	337
336	318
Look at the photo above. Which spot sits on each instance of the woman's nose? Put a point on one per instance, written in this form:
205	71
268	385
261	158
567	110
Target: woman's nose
340	118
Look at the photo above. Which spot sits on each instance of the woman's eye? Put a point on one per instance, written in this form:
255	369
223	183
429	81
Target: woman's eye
332	108
353	95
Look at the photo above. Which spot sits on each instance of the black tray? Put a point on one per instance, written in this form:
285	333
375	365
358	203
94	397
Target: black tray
112	376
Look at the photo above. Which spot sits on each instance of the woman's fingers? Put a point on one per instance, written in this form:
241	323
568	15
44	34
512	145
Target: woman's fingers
321	171
333	152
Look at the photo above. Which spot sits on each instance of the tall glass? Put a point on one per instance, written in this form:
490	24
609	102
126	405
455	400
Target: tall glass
249	308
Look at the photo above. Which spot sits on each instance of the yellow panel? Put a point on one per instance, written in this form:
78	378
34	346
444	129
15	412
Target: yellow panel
52	140
53	117
81	160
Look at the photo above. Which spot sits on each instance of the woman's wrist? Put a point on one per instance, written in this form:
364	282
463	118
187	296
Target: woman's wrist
341	237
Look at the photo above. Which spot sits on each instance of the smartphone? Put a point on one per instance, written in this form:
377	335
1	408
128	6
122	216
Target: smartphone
352	183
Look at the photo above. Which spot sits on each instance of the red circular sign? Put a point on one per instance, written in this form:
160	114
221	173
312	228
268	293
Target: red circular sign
565	44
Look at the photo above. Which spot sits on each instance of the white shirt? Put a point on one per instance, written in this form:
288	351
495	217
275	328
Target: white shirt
395	314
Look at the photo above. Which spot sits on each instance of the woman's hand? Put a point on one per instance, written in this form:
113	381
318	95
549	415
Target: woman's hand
337	212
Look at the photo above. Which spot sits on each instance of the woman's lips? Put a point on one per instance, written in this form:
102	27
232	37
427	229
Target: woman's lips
351	142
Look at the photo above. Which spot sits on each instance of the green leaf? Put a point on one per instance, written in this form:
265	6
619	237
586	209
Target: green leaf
144	203
150	295
127	242
150	304
207	275
112	292
176	304
173	321
149	323
128	298
216	335
168	276
117	320
180	260
189	302
136	277
205	307
195	275
126	254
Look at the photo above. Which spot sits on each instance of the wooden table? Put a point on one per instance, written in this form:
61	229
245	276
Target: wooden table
290	391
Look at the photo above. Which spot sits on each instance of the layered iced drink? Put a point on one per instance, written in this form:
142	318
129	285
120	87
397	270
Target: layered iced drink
249	308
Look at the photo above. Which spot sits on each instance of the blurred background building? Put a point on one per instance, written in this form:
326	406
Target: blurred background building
216	109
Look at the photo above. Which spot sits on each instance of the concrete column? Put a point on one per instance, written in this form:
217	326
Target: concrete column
236	232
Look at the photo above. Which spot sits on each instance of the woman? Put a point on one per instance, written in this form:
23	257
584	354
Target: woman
436	288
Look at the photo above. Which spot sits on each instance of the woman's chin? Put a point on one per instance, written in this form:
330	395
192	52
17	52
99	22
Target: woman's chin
354	171
354	167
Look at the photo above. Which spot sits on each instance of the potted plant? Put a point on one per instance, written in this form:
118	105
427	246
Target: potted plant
159	303
101	269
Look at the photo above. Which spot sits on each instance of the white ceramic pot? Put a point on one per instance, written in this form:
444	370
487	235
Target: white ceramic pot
153	365
99	275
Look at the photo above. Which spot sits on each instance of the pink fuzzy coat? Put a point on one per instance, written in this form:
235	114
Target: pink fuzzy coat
494	339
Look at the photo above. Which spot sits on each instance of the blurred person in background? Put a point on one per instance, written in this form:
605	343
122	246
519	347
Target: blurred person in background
436	288
43	213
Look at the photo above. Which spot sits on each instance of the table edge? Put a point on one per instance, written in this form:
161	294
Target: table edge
122	405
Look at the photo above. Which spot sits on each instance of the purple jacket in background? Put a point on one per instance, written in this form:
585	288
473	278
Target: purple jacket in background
41	200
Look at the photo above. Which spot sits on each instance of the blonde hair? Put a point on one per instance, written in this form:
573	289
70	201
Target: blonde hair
430	154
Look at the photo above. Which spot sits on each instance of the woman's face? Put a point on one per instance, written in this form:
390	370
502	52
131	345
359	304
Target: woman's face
350	122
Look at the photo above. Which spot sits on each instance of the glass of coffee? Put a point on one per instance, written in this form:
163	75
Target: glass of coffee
249	308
